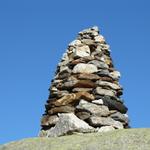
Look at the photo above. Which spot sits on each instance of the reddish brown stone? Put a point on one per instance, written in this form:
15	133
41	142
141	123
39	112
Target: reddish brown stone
67	99
85	84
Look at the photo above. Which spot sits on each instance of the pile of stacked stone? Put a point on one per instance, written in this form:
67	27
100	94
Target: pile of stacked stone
85	93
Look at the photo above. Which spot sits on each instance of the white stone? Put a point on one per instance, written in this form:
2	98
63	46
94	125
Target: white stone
99	39
106	129
81	51
99	102
115	74
83	102
84	68
69	123
109	84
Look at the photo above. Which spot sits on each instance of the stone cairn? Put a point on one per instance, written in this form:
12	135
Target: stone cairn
85	93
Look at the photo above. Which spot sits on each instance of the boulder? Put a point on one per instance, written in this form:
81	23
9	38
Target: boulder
103	121
99	110
69	123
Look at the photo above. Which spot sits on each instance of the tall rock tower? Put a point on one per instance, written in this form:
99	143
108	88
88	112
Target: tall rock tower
85	93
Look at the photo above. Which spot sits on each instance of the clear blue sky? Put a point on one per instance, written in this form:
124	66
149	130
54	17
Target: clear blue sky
35	33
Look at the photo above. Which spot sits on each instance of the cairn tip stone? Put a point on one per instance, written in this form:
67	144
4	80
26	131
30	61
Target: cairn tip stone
85	94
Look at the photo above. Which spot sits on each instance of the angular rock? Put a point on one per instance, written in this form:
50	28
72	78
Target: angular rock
103	121
120	117
61	109
106	129
73	98
81	51
49	120
101	91
99	64
69	123
108	84
114	105
99	110
84	68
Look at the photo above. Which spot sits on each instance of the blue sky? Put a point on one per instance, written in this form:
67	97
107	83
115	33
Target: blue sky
35	33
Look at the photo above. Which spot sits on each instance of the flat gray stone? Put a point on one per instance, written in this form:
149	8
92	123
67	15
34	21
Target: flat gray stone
84	68
103	121
108	84
101	91
120	117
69	123
99	110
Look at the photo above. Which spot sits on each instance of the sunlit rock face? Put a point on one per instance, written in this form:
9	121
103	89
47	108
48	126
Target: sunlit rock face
85	92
